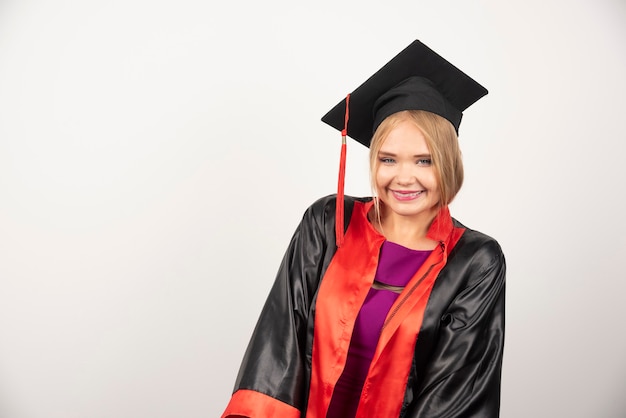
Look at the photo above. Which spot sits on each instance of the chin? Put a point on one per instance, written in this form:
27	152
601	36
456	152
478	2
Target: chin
407	210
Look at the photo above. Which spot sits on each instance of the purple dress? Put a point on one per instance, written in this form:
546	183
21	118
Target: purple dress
396	266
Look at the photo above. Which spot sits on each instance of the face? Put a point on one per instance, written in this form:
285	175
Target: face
405	178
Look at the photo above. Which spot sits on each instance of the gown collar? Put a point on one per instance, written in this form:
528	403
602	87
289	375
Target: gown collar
439	230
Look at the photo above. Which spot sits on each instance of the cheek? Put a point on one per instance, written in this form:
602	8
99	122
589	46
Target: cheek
431	179
383	177
435	184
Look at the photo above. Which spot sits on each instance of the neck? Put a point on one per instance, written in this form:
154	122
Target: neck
408	231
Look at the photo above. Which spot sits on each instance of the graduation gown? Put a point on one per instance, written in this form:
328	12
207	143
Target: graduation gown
439	353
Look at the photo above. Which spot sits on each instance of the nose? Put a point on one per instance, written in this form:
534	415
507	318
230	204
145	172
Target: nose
406	174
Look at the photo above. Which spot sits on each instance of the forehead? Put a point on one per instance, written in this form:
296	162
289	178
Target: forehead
405	138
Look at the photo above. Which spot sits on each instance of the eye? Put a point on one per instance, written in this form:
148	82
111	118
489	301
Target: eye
425	162
387	160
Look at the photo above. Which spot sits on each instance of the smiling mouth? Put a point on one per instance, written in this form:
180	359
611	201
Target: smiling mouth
406	195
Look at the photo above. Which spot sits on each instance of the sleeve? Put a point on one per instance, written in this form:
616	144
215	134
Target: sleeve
462	378
273	379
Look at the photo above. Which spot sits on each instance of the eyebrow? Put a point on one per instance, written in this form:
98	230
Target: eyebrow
391	154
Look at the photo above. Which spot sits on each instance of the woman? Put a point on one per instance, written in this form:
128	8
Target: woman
403	316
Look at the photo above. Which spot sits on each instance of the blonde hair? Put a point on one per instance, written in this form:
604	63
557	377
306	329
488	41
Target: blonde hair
442	142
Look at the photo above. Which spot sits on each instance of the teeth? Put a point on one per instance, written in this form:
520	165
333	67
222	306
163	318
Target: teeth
404	194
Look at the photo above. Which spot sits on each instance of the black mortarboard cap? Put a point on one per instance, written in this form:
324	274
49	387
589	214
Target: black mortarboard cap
416	79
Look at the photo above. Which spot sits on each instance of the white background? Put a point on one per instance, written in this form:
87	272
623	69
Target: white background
156	156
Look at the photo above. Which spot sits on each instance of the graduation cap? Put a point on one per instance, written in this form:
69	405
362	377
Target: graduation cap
416	79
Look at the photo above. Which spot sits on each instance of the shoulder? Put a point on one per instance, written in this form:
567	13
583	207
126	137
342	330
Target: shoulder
323	209
474	241
478	252
319	218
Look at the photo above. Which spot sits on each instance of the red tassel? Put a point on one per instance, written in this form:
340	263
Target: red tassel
339	210
339	222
